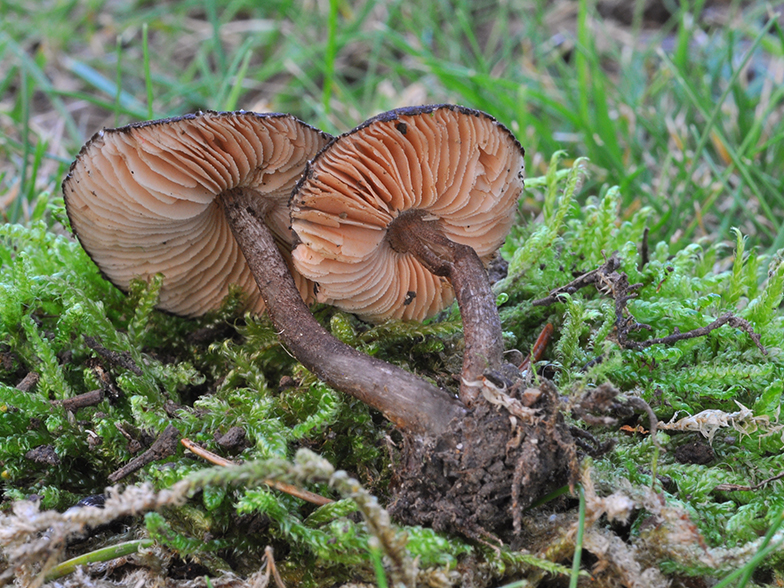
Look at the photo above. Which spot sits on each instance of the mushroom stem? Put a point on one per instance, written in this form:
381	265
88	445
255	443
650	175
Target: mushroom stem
412	232
411	403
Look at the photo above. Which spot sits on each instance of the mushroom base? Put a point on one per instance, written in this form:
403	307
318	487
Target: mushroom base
477	478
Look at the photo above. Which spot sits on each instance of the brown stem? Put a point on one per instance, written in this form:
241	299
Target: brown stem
28	382
83	400
405	399
484	347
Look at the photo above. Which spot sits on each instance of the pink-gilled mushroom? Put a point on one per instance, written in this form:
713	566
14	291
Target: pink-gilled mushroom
144	199
391	213
202	200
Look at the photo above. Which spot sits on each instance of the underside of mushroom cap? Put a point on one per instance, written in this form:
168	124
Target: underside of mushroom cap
142	200
460	167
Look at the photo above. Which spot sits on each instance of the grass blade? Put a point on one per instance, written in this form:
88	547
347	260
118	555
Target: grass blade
43	84
118	83
122	100
329	56
578	541
236	89
147	77
99	555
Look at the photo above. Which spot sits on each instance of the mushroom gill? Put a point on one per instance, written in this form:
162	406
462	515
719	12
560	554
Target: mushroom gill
460	168
142	199
397	217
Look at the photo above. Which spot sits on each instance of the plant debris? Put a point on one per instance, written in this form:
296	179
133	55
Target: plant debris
708	422
752	488
725	319
711	521
116	359
460	482
607	279
83	400
215	459
165	446
43	454
28	382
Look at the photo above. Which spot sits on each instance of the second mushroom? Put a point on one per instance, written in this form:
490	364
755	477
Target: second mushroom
395	218
166	197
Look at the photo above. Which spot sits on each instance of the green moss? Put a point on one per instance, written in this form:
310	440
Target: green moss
52	298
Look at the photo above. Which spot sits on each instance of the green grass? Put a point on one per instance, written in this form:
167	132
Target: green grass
693	130
687	122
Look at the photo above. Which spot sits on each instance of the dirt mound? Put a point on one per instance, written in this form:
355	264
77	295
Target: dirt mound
479	477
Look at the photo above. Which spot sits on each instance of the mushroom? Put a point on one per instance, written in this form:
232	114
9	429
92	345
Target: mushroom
144	199
389	214
166	196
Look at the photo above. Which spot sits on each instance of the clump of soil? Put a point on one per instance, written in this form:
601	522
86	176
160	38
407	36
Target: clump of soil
696	452
478	477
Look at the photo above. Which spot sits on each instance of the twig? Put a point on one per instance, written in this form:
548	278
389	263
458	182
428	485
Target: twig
616	284
82	400
592	277
213	458
164	446
272	568
537	351
28	382
739	488
725	319
121	359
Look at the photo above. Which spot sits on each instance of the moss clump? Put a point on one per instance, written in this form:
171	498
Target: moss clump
60	320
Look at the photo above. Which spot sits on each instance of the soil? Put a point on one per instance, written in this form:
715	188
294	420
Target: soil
696	452
478	478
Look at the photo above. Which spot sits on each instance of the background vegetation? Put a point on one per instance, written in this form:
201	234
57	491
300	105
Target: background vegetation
679	106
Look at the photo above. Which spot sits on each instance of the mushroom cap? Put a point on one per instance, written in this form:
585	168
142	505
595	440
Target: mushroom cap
142	199
460	166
